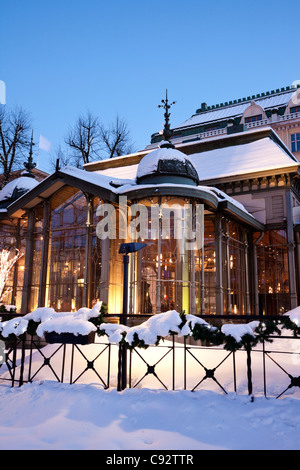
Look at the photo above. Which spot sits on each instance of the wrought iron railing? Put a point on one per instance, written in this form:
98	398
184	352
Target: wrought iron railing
176	363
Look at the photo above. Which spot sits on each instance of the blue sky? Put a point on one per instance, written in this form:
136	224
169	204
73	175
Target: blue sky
61	58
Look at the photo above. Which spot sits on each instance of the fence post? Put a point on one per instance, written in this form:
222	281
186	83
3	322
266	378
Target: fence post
122	367
249	371
21	381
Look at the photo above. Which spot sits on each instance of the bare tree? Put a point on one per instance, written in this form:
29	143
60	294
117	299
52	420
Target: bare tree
14	138
85	139
90	140
62	155
116	138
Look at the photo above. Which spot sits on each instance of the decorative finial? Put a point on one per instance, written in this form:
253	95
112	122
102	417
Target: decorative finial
29	165
167	132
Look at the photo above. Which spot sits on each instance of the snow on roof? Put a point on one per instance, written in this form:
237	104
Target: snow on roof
150	162
260	155
225	112
24	183
128	172
243	159
219	195
124	186
253	157
90	177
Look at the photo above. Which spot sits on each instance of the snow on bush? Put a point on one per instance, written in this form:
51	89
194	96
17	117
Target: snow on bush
15	326
77	323
148	333
294	315
67	324
41	314
237	331
114	332
161	325
48	320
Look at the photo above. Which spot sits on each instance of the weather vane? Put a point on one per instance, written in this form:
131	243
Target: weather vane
167	132
29	165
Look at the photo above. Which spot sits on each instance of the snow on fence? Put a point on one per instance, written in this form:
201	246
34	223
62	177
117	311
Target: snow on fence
170	350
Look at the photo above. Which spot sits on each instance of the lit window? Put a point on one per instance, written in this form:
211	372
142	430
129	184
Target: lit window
295	109
258	117
295	141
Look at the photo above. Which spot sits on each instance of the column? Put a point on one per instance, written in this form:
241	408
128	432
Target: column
158	290
28	262
15	278
86	301
291	248
228	283
45	253
246	254
298	261
219	276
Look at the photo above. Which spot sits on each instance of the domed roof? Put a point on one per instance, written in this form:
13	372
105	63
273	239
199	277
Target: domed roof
15	189
167	164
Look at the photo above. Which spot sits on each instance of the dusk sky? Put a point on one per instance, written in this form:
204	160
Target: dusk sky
61	58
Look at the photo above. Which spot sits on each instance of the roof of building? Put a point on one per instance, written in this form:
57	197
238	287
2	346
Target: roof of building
215	162
110	188
16	188
38	174
166	162
236	108
228	158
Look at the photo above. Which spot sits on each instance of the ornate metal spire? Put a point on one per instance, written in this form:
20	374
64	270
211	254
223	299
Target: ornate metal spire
29	165
167	132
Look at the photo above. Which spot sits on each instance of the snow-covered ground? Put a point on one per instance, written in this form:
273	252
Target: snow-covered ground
46	414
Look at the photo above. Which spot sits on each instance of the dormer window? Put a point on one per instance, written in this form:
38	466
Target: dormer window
295	109
249	119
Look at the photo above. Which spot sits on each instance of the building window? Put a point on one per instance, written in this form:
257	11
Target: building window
249	119
212	128
295	109
295	142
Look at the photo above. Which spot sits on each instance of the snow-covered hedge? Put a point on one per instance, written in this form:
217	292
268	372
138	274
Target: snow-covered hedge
232	336
44	320
7	308
151	332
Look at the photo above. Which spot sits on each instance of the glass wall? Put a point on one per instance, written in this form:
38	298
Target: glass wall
209	260
98	284
38	241
237	268
273	274
167	274
13	239
66	259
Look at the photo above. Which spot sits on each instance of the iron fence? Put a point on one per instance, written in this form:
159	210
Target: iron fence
176	363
